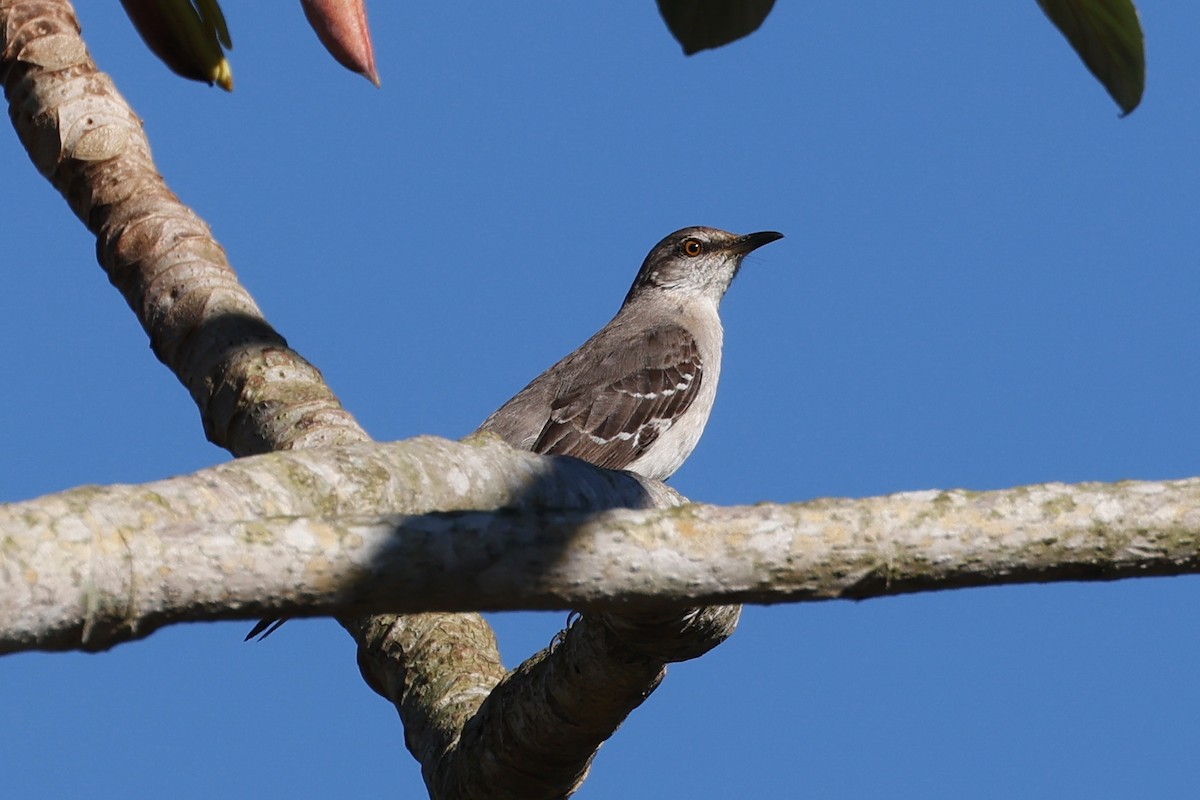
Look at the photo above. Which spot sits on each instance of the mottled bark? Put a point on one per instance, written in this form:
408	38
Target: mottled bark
92	567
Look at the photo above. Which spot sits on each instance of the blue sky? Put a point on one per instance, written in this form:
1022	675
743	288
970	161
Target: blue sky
988	280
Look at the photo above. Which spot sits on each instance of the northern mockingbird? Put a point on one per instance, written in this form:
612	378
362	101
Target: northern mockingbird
636	395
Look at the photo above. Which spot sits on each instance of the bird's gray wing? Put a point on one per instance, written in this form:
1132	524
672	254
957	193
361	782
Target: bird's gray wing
642	390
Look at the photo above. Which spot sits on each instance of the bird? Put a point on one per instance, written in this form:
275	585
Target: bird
637	395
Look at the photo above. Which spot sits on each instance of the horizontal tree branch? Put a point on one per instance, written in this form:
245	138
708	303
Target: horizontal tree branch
78	575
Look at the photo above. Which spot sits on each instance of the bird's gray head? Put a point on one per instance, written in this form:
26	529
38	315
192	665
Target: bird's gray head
696	261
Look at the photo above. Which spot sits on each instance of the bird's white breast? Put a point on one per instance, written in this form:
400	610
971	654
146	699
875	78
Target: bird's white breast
673	447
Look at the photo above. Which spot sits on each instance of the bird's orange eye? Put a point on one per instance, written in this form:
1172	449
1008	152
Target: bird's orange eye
692	247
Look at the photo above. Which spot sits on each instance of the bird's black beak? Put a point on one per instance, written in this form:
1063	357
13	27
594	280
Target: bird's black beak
753	241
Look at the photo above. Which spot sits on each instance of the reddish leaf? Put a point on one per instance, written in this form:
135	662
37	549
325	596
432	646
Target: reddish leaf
341	25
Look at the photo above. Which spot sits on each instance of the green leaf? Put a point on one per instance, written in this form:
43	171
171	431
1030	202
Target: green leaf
703	24
1107	35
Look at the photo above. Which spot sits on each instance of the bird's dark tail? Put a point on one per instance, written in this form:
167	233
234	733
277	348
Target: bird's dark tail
266	627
